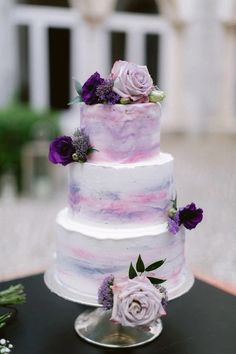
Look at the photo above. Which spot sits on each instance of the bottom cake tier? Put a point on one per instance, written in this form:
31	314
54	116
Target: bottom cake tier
85	255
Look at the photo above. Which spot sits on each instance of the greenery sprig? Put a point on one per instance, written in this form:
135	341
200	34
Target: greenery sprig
78	88
141	268
4	318
14	295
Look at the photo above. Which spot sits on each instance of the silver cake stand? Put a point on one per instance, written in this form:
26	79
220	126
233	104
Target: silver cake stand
94	325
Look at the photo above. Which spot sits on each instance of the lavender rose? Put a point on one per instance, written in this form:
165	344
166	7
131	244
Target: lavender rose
88	92
131	81
190	216
61	150
136	302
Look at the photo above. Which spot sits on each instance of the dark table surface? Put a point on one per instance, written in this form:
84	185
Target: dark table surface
200	322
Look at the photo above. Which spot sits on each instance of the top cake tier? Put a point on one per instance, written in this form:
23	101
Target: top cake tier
122	133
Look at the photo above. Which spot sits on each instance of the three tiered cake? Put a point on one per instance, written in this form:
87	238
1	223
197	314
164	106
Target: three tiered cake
121	192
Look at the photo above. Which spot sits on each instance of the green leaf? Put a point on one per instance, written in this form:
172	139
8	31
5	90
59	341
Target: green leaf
78	87
12	296
174	201
90	150
132	271
77	99
140	265
154	266
4	318
156	280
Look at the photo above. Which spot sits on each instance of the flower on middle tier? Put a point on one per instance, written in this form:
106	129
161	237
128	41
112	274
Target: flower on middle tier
189	216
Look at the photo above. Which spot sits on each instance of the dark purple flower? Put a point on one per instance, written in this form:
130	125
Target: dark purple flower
105	293
88	92
106	94
190	216
61	150
173	224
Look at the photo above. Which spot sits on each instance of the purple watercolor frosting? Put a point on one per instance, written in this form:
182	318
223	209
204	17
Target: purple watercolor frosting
122	133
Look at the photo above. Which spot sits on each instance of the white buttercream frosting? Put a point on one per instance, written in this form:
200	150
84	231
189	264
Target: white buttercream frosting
123	195
84	259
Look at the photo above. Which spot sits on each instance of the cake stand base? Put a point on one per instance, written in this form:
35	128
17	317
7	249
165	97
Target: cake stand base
95	327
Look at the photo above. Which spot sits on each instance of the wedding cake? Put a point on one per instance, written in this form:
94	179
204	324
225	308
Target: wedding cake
122	200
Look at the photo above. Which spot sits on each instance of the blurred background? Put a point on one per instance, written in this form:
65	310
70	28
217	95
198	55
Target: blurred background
189	47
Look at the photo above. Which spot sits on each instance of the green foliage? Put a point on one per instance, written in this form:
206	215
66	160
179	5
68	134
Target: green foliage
18	124
132	271
156	280
140	265
78	88
154	266
140	268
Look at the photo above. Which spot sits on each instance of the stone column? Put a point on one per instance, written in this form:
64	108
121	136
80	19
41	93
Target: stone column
89	48
176	119
171	10
90	41
203	68
8	50
227	104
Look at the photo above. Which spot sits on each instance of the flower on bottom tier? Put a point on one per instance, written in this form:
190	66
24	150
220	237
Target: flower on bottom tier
136	302
105	294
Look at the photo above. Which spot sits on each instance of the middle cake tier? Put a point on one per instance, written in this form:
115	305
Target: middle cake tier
126	195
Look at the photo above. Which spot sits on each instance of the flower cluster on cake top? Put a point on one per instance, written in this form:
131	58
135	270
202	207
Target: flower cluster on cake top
136	301
126	83
189	217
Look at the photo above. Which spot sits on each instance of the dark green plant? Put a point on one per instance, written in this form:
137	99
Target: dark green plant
18	125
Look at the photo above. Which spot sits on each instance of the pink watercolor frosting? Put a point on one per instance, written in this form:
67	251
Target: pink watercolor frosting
122	133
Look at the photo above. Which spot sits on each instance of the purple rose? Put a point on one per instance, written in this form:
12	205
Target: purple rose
136	302
61	150
88	92
190	216
131	81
